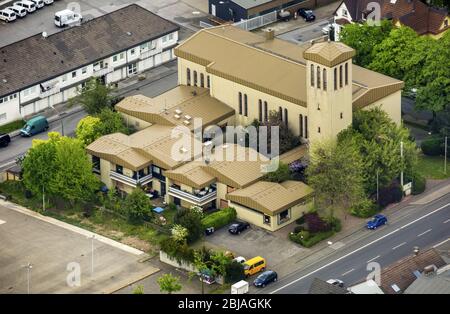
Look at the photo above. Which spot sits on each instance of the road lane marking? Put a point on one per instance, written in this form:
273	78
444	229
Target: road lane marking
440	243
396	247
359	249
2	222
423	233
348	272
372	259
446	221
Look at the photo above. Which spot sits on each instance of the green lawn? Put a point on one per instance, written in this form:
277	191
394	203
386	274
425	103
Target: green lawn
15	125
432	167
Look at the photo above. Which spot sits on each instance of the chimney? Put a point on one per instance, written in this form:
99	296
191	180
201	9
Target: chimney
270	34
430	270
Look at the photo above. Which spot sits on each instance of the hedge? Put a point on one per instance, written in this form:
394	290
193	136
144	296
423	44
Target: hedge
364	209
309	241
432	146
391	194
419	184
219	218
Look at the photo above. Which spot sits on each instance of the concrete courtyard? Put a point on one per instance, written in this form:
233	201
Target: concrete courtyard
51	246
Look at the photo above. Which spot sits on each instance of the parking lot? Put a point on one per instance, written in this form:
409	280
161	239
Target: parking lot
255	242
183	12
51	246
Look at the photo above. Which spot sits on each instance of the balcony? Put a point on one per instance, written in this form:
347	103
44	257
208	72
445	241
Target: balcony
103	71
200	199
129	180
147	54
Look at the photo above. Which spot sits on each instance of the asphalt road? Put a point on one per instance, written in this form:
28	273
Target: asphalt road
424	226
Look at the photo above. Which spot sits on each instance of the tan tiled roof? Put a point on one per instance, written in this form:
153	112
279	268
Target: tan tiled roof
194	102
294	154
329	53
271	198
153	145
275	67
192	174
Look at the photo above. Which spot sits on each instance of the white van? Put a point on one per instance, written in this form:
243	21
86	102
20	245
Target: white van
39	3
27	5
48	2
20	11
67	17
7	15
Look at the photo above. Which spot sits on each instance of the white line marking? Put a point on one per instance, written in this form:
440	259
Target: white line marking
419	235
396	247
446	221
348	272
372	259
359	249
2	222
440	243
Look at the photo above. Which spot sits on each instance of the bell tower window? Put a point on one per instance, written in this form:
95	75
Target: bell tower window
318	77
312	75
325	79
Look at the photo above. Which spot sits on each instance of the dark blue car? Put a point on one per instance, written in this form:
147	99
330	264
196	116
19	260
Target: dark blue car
376	222
265	278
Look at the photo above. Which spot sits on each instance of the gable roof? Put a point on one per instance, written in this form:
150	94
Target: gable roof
329	53
274	67
37	59
402	274
438	283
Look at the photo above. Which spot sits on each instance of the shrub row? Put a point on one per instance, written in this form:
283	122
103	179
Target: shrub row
219	218
364	209
310	240
433	146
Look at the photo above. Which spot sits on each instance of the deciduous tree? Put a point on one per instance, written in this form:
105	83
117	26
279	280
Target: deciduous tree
169	283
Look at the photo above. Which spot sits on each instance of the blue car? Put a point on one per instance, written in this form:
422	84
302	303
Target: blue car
265	278
376	222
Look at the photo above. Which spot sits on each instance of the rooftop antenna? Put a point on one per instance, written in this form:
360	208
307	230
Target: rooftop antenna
44	34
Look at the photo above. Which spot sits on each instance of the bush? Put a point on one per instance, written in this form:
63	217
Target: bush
317	238
234	272
298	229
301	220
315	223
391	194
419	184
220	218
432	146
364	209
179	251
192	221
137	206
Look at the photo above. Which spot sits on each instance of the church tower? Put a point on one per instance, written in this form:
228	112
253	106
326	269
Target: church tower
328	89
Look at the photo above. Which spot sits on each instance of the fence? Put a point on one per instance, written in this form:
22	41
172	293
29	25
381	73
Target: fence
258	21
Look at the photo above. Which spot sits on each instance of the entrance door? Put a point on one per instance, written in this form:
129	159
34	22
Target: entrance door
163	188
177	201
213	9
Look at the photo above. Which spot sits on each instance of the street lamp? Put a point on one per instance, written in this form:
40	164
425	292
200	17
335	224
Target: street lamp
445	155
61	117
92	254
29	266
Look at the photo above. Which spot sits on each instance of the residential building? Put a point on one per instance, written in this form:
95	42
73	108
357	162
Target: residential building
319	286
41	71
237	10
432	281
422	18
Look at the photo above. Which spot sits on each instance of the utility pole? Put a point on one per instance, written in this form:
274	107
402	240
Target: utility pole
43	198
401	155
445	155
28	267
378	193
92	254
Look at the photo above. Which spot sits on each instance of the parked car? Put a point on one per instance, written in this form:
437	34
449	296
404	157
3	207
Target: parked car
238	227
254	265
7	15
308	15
48	2
265	278
4	140
21	12
240	259
39	3
326	29
67	17
34	126
27	5
377	221
336	282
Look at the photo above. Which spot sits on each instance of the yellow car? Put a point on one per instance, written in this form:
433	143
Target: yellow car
254	265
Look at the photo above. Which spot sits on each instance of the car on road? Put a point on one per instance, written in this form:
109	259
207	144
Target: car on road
336	282
21	12
34	126
377	221
308	15
238	227
4	140
7	15
27	5
265	278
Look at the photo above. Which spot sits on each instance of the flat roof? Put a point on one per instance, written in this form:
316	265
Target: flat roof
37	59
248	4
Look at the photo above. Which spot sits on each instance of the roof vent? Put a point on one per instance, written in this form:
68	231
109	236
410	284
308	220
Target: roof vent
178	111
177	116
429	270
183	150
186	122
188	117
44	34
395	288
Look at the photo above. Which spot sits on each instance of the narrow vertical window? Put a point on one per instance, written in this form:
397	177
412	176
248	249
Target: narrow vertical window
286	118
208	83
306	127
312	75
324	79
280	113
195	78
266	116
240	103
260	109
188	76
341	81
245	105
318	77
300	122
346	74
202	80
335	79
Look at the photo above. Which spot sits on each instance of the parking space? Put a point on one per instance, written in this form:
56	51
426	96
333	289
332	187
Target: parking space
255	242
182	12
55	251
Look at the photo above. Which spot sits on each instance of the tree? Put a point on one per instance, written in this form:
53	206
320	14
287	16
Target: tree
202	259
87	129
94	96
169	283
137	205
363	38
234	272
378	140
179	233
192	221
280	175
335	173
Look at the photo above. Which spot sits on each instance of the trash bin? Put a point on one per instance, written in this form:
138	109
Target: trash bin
209	231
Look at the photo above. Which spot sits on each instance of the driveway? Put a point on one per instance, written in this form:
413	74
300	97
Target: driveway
255	242
56	250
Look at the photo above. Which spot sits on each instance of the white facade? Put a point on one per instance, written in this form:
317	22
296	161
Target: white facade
111	69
